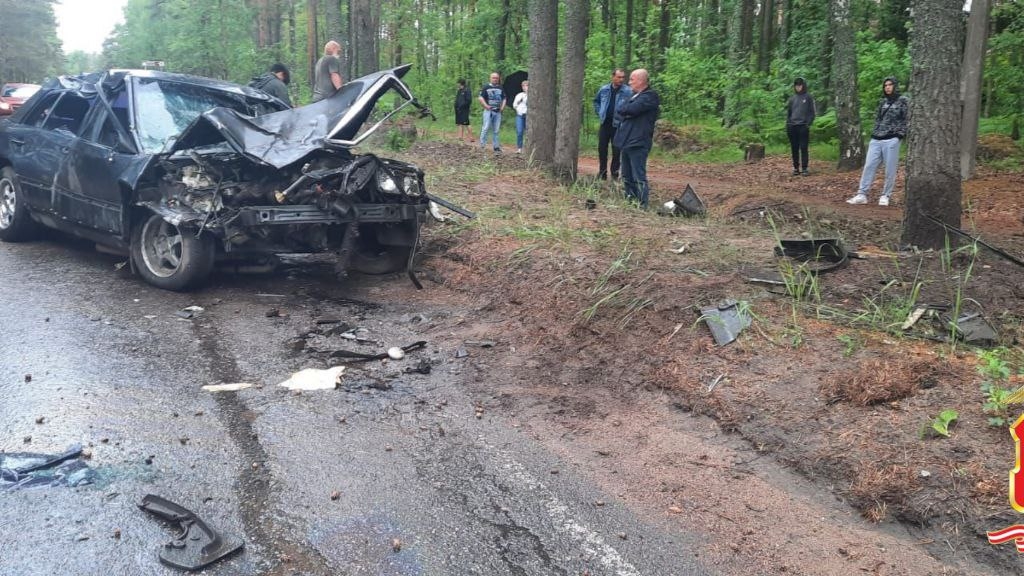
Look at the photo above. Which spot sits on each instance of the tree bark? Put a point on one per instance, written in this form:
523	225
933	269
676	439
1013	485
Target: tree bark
570	113
502	35
540	147
970	88
628	61
844	87
312	46
764	50
933	158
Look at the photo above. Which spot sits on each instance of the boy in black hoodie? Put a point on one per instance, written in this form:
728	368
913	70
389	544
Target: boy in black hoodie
890	129
799	117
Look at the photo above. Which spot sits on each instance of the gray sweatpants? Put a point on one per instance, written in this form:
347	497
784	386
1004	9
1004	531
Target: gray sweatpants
879	151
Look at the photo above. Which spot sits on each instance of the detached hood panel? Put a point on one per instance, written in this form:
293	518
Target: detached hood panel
284	138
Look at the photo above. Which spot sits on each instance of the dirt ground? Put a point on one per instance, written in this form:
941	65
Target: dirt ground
601	355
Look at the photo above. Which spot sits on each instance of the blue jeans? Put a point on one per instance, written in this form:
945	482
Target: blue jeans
492	121
634	173
520	130
879	151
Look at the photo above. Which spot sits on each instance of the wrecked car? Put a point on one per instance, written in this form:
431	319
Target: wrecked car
180	171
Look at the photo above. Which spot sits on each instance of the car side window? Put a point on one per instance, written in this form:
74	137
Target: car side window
67	113
37	115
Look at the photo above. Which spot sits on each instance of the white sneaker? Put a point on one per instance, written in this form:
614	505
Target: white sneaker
858	199
883	201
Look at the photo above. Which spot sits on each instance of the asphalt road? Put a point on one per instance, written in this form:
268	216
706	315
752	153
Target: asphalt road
394	472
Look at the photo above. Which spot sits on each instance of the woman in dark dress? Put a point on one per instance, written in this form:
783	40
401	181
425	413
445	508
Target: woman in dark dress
463	100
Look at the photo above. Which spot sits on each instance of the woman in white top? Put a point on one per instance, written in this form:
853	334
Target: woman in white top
520	106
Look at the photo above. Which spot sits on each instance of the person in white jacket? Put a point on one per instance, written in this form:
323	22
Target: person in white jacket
520	106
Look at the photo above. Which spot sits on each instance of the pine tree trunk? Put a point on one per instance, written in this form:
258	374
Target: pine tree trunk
540	147
628	62
970	89
844	88
933	152
764	50
570	112
312	46
502	33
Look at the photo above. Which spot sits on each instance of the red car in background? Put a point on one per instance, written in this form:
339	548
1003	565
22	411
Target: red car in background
13	95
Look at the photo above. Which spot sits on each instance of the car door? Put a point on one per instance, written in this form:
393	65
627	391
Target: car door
36	153
93	167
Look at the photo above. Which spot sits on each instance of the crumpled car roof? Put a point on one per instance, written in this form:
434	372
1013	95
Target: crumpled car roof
286	137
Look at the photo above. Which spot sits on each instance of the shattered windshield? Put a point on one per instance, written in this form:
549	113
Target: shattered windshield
165	108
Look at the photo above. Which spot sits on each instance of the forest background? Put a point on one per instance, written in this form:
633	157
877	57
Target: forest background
714	62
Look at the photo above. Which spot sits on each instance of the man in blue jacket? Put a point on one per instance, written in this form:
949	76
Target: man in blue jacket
606	104
635	135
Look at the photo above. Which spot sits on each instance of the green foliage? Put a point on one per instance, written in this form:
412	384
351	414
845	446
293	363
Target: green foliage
941	423
29	48
691	86
996	366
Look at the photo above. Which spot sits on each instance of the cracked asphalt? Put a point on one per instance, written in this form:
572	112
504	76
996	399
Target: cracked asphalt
394	472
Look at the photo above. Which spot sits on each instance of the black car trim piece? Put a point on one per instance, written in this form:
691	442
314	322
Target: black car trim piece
309	214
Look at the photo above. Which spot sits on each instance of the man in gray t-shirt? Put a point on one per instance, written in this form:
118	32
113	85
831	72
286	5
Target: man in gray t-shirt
328	72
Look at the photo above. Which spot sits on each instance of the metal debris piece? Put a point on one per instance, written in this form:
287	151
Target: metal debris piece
461	352
975	329
913	317
232	387
725	320
827	251
197	545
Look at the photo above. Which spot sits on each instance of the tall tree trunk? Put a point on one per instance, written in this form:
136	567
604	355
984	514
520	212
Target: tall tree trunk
312	45
628	61
764	46
933	152
664	34
543	77
332	20
570	112
844	87
970	87
502	33
364	29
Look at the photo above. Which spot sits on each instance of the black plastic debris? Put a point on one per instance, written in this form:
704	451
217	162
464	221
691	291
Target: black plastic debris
196	545
364	357
725	320
688	204
26	469
974	329
816	255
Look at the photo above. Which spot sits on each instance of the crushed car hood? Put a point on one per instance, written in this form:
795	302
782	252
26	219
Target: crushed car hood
284	138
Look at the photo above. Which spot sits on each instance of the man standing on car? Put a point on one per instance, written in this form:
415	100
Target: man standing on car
606	104
890	129
492	96
635	135
275	82
799	117
328	77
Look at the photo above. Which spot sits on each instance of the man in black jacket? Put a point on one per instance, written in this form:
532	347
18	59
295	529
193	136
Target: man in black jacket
799	117
275	82
635	135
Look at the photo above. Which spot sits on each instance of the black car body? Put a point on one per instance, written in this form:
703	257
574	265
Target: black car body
179	171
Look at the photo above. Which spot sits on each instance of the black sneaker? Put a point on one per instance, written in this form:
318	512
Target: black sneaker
796	172
805	172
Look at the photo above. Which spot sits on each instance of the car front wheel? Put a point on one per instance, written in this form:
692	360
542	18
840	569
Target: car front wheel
15	223
170	257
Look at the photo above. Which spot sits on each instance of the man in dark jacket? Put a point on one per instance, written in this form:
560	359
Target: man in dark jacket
890	129
799	117
606	105
635	135
275	82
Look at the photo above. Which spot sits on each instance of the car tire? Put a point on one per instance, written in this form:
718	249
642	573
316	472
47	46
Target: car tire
371	257
170	257
15	223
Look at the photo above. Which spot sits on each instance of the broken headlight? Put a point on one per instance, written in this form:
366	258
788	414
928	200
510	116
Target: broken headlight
412	186
386	183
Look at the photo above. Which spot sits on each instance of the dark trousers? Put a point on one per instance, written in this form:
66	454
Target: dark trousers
799	137
604	139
